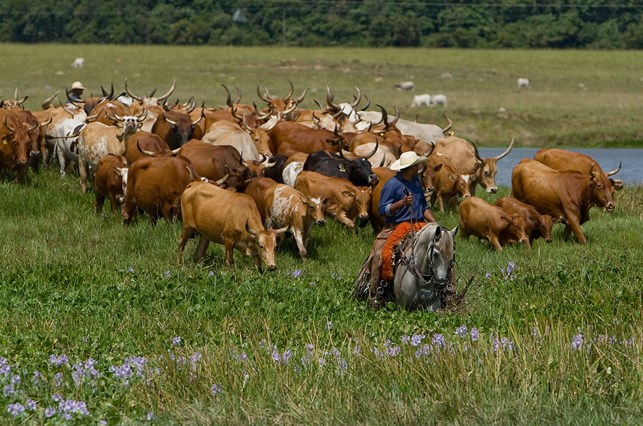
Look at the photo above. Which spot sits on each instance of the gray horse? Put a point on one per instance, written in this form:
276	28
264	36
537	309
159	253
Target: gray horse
424	276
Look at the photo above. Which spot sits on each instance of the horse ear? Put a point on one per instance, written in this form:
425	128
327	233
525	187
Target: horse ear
454	231
438	233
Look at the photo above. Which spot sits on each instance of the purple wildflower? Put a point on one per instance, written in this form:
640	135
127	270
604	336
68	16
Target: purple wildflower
438	340
577	342
58	360
329	325
130	270
275	355
57	397
31	405
423	351
167	274
286	356
58	379
176	341
406	339
488	275
36	378
416	339
461	331
296	273
15	409
15	380
474	334
49	412
215	389
321	361
150	416
393	351
211	274
8	390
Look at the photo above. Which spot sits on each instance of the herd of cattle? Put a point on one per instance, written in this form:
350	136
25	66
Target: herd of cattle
242	175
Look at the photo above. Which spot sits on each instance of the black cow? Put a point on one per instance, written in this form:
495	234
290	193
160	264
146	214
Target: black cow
275	171
358	170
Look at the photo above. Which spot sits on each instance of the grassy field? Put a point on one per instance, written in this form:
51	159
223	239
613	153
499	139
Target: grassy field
576	98
101	325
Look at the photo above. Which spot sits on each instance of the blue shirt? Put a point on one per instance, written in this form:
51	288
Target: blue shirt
394	190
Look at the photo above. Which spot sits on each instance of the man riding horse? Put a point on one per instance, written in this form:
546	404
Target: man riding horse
404	208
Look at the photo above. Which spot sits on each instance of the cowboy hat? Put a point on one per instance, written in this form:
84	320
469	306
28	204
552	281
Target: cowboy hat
407	159
77	85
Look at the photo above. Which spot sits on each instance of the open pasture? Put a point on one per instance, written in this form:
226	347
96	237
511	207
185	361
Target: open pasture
100	324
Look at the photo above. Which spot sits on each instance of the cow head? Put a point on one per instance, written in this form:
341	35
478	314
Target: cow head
486	169
545	224
600	189
314	210
363	201
265	242
16	140
360	170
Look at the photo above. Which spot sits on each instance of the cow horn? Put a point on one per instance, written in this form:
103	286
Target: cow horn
249	231
6	125
383	161
238	92
228	100
316	120
613	172
233	112
475	148
144	151
201	117
384	116
498	157
106	95
358	98
151	94
172	122
446	129
265	97
73	100
32	128
291	109
329	99
222	180
142	116
318	104
91	118
301	98
175	151
47	102
397	117
368	103
163	98
130	94
377	145
245	125
190	105
292	89
66	109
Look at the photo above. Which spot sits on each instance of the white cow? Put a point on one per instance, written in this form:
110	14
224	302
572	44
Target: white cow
523	83
439	100
291	171
78	63
405	85
418	100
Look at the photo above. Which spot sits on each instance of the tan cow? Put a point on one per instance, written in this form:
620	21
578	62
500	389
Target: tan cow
110	181
341	199
486	221
536	225
466	159
228	218
283	206
447	183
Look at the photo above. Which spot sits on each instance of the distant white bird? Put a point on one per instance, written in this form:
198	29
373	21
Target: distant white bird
78	63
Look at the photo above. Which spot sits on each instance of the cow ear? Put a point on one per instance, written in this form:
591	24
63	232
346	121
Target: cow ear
348	194
437	167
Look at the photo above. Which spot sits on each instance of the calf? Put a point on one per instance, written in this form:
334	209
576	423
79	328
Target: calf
110	181
283	206
341	199
447	182
535	224
484	220
227	218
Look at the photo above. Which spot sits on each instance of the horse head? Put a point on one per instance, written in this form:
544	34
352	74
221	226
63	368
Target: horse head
441	254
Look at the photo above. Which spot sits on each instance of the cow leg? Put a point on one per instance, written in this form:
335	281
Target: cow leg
186	234
82	171
202	248
128	211
61	160
342	218
574	225
229	250
299	240
98	202
440	203
494	242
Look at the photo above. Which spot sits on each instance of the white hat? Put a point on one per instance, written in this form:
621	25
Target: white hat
77	85
407	159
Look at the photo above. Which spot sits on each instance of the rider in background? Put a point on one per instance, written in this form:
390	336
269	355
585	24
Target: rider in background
404	208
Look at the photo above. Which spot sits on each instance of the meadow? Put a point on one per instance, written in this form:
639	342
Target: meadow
102	327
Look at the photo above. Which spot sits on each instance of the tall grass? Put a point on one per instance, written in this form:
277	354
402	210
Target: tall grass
100	324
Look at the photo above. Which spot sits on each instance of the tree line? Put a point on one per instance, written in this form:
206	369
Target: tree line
593	24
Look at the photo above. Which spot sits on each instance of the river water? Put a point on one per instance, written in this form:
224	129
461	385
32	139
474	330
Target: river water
631	160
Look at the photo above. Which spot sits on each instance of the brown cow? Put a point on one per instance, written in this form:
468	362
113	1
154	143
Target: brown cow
289	138
341	199
155	185
466	159
143	143
283	206
216	162
486	221
176	128
536	225
15	142
447	182
227	218
559	159
561	194
110	181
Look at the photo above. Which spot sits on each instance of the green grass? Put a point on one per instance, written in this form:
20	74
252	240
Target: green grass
558	341
555	111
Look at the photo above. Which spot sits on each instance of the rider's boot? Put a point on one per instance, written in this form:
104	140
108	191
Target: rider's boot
377	286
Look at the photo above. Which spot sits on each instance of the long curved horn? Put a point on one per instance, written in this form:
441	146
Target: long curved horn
190	105
397	116
377	144
300	98
152	93
329	99
47	102
383	161
73	100
228	100
106	95
475	148
144	151
292	89
163	98
498	157
238	92
130	94
142	116
446	129
358	98
384	116
613	172
222	180
263	97
368	103
201	117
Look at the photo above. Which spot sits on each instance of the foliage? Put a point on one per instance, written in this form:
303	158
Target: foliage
465	23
